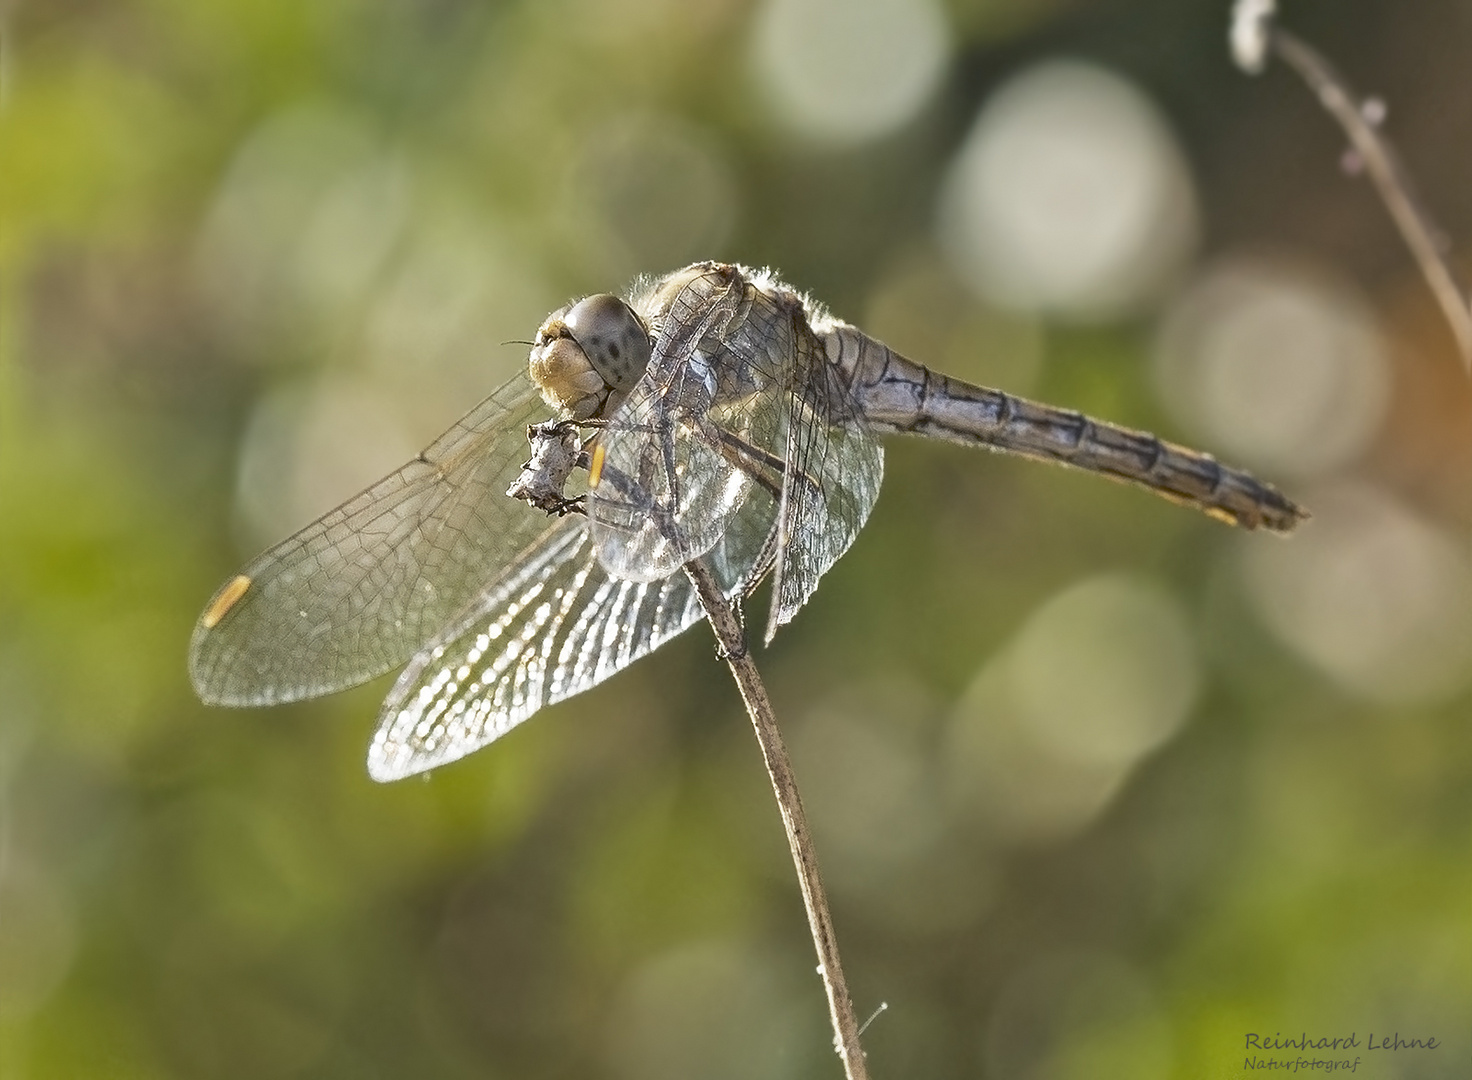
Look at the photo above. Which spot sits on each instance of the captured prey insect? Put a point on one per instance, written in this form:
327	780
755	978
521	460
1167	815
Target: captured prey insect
733	420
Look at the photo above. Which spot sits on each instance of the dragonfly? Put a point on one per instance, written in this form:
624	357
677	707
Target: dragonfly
720	415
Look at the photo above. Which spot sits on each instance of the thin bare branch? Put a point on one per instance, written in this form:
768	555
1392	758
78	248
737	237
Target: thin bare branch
1248	37
1389	177
555	454
1254	33
732	638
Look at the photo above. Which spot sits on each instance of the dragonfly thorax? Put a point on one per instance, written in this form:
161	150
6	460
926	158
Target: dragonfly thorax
587	357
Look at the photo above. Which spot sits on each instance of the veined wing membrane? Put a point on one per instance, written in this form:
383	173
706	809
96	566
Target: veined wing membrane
666	491
552	627
362	589
671	481
834	469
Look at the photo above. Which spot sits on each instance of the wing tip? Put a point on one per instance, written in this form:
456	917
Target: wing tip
390	760
201	674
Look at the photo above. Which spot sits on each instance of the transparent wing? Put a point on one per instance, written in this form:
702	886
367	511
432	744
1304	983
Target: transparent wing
700	432
739	398
834	469
552	627
359	591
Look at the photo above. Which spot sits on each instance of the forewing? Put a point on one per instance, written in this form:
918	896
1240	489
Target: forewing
834	469
682	455
553	627
360	591
664	490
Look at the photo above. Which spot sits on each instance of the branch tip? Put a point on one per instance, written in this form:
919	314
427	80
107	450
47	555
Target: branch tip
1251	29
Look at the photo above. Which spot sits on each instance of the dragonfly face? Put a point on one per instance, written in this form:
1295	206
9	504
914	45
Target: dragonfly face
738	424
587	357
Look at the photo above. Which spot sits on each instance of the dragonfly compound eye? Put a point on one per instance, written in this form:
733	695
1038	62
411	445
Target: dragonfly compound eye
587	357
613	339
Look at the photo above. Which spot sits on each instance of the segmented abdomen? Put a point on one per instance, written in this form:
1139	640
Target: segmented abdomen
897	394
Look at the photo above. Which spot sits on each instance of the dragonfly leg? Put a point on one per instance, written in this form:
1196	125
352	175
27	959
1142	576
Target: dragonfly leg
752	459
725	654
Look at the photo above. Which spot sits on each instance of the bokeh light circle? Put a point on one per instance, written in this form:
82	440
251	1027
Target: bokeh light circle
1106	670
1374	596
309	446
1099	676
715	1008
1278	364
849	72
308	210
1069	194
648	193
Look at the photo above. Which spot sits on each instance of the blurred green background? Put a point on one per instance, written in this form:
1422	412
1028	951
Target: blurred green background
1100	785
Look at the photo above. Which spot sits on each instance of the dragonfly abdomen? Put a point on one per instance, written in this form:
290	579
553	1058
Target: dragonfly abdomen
897	394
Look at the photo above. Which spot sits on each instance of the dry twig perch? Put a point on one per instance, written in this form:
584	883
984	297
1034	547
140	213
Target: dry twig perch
555	454
732	638
1254	35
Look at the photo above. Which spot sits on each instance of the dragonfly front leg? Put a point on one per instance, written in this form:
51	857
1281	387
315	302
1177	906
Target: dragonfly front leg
752	461
756	463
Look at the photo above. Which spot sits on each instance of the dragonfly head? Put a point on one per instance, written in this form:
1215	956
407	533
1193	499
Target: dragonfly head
587	357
